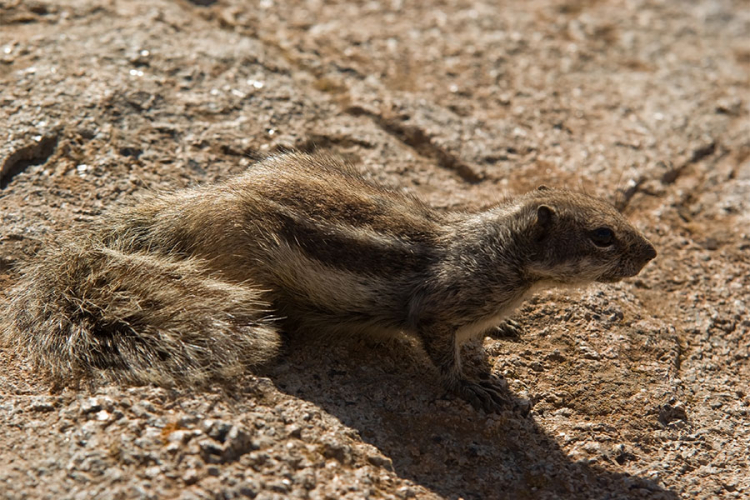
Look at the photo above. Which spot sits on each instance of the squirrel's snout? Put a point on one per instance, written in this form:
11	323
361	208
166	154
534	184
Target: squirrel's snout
649	252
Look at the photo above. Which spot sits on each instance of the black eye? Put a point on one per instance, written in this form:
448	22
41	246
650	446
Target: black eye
603	236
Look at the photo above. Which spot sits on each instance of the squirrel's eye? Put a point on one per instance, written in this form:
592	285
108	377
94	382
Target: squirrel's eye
603	236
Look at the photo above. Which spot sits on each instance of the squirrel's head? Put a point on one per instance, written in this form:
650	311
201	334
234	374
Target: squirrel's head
577	238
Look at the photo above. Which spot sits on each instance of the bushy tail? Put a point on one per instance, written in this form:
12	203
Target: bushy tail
137	317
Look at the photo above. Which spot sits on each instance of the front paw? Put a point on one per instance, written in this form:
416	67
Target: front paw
507	329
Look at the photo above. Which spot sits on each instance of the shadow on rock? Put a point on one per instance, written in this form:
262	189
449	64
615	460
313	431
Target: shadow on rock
389	395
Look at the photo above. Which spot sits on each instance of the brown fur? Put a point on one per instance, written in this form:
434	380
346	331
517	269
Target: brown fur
192	286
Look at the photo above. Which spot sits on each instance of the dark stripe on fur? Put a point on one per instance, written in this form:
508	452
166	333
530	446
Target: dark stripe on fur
350	251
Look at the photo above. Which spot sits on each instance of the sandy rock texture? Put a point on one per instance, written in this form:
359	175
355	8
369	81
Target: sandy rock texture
639	389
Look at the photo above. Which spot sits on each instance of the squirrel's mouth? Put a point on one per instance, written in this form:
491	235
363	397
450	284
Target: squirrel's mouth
625	271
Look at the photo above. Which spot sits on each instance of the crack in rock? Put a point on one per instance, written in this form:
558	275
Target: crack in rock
699	153
418	140
34	153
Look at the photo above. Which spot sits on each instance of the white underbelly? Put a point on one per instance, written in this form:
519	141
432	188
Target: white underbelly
481	326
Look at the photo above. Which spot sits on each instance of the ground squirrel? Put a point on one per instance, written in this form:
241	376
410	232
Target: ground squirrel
197	284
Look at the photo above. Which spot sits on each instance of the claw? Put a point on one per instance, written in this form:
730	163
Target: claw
508	328
484	395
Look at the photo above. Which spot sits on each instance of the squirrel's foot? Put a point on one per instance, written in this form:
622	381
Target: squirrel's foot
508	329
487	395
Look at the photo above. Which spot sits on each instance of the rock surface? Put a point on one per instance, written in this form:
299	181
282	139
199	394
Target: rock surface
639	389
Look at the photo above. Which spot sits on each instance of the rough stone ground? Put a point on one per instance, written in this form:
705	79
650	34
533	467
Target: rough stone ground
640	389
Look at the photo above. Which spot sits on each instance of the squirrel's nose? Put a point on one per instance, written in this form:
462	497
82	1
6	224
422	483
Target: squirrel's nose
649	252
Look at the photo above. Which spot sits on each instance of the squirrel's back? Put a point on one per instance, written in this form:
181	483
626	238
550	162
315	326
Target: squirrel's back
331	250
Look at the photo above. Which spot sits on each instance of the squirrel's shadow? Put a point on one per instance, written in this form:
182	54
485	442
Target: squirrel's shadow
391	398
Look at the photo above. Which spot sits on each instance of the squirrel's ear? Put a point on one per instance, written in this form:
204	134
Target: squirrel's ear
542	187
545	217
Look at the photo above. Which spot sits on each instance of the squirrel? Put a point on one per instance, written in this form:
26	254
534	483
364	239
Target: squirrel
199	284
